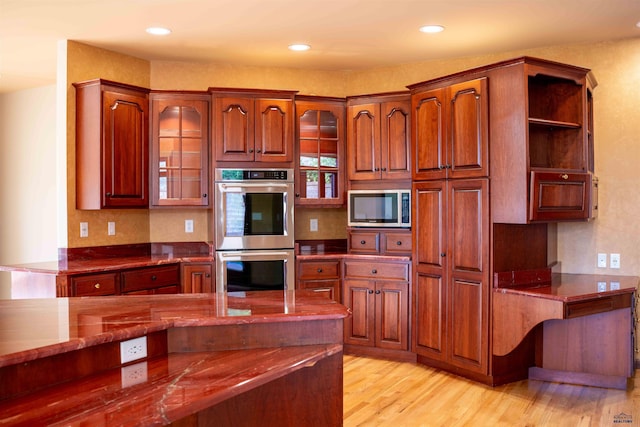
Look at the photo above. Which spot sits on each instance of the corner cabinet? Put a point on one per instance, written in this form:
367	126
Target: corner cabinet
379	137
179	149
112	145
253	125
320	130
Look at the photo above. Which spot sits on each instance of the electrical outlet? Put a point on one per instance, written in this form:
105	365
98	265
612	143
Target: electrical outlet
134	349
614	260
133	374
111	228
313	224
84	229
602	260
188	226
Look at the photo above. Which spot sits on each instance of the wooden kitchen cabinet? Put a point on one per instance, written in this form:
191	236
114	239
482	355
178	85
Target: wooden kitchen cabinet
379	137
379	241
151	280
377	293
99	284
253	125
112	145
451	130
320	275
197	278
451	284
320	130
179	149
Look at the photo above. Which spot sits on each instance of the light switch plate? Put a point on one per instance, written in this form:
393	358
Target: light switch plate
313	224
84	229
111	228
602	260
188	226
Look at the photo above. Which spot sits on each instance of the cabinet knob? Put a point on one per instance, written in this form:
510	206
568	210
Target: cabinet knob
251	150
297	194
376	169
374	271
319	270
108	194
378	292
97	286
362	242
258	151
383	169
399	243
207	275
153	277
370	291
564	176
204	196
443	254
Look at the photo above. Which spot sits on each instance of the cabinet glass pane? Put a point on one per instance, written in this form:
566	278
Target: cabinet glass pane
191	155
317	185
191	120
170	121
328	125
309	124
170	152
191	184
328	153
169	184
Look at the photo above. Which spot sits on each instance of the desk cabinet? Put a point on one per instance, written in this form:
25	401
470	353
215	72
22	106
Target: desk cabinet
320	275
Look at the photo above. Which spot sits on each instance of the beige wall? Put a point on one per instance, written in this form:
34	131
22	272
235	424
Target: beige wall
28	217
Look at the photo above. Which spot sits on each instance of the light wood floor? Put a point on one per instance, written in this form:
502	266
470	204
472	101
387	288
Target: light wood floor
385	393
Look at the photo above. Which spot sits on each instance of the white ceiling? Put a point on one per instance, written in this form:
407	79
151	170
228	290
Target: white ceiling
344	34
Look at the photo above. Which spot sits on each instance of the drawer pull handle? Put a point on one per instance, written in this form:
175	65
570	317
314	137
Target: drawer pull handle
319	270
362	242
97	286
153	277
374	271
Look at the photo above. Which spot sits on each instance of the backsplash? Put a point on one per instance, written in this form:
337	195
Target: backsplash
332	223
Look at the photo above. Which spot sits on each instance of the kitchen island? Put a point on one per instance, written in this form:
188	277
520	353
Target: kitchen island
261	358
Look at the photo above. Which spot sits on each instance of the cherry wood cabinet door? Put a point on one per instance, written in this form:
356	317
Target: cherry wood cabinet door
359	297
429	285
363	140
392	315
395	144
234	128
468	153
468	268
125	150
274	130
429	134
197	278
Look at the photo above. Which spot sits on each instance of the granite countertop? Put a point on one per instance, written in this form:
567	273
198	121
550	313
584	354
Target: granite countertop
36	328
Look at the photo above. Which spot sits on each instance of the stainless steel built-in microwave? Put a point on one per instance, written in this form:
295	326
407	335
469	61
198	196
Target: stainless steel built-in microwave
379	208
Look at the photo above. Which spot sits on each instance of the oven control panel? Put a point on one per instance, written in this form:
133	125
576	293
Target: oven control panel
254	174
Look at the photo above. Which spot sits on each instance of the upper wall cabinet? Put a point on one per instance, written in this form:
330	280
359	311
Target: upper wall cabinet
112	145
378	137
320	151
179	149
451	130
253	125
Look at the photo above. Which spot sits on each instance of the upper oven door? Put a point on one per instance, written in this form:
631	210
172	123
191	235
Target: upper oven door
254	215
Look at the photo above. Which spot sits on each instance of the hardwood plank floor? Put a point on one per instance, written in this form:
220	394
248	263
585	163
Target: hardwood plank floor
400	394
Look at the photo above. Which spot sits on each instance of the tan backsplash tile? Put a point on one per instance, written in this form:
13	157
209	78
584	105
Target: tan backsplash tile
332	223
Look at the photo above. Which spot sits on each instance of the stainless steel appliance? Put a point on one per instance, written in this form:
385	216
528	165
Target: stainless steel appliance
254	224
379	208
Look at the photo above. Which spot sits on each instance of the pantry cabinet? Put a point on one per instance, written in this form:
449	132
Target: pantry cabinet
379	137
112	145
320	148
253	125
377	293
179	149
451	284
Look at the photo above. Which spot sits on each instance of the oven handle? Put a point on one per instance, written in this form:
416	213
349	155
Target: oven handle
237	256
239	187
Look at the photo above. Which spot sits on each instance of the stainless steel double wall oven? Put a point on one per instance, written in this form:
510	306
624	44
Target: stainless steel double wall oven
254	240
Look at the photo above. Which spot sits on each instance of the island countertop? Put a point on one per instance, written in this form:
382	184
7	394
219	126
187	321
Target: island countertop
58	357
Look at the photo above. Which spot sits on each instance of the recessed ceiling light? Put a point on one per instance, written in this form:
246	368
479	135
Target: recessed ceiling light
158	31
299	47
431	29
638	24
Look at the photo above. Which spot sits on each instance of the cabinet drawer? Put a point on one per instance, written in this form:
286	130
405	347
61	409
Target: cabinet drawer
558	196
377	270
150	278
95	284
364	242
323	269
397	243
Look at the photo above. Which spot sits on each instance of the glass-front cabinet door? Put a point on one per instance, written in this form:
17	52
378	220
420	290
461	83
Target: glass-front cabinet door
180	163
320	137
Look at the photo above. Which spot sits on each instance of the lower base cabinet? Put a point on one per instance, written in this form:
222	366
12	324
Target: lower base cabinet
138	281
321	276
197	278
377	294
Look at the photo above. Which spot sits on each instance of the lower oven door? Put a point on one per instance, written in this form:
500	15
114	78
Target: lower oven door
259	270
